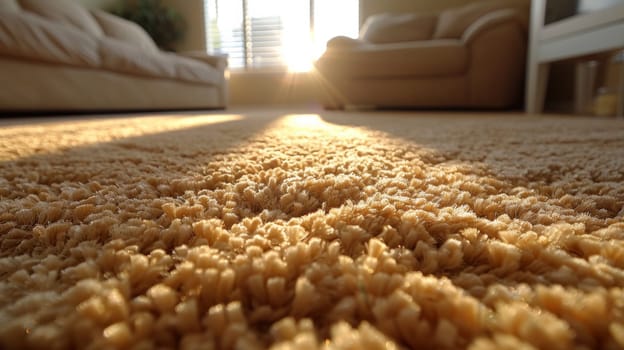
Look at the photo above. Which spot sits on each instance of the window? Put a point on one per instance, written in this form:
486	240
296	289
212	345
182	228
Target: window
277	33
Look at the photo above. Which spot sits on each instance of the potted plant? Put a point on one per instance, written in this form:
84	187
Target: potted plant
163	24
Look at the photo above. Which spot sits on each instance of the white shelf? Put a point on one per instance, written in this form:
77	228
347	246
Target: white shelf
582	22
583	43
576	36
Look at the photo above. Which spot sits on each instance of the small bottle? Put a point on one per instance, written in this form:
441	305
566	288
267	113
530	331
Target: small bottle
585	83
605	103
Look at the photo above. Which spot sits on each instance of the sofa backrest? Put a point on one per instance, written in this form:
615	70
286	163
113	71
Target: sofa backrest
453	22
448	24
24	35
95	23
392	28
118	28
9	5
66	12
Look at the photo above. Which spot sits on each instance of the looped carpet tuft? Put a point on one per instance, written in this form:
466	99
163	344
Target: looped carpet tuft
312	231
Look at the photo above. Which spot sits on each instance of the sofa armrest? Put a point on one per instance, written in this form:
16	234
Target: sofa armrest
497	44
491	21
219	61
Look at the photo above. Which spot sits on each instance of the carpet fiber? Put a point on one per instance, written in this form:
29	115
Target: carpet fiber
334	231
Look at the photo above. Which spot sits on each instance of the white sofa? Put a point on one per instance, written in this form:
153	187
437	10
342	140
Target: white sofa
59	56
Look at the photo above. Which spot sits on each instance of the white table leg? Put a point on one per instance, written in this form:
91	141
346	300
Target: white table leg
537	83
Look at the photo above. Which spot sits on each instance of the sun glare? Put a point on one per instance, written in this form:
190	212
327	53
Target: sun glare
306	121
88	131
299	57
331	18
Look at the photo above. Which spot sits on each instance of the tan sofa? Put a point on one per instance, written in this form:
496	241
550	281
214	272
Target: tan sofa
473	56
57	55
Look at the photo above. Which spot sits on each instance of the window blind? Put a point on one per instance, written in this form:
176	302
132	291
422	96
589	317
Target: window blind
276	33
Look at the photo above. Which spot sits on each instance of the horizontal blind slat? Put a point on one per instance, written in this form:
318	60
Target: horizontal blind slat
273	28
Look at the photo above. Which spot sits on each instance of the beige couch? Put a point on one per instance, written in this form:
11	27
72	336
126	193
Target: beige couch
473	56
57	55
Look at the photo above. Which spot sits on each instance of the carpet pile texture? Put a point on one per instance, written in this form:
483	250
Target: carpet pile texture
331	231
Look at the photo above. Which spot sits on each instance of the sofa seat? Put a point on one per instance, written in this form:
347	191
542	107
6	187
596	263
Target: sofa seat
29	39
65	88
394	60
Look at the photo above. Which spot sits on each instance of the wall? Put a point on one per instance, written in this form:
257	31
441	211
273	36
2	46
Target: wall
274	88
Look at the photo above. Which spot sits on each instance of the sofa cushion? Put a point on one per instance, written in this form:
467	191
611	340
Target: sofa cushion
121	57
390	28
118	28
64	11
9	5
433	58
26	36
29	37
453	22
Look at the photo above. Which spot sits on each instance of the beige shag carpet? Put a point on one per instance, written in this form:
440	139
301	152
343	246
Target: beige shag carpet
331	231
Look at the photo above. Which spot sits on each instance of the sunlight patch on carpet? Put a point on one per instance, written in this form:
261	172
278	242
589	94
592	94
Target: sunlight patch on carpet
19	141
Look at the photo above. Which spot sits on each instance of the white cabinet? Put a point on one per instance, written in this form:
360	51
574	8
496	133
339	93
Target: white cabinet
582	34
